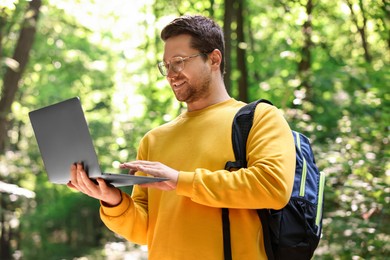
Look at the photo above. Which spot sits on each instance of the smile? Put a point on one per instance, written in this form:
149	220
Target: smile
178	84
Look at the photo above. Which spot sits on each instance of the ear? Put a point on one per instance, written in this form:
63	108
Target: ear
216	58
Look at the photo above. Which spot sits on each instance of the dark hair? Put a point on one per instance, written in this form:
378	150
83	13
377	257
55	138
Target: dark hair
206	35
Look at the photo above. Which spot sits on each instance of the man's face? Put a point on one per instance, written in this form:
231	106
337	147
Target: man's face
193	82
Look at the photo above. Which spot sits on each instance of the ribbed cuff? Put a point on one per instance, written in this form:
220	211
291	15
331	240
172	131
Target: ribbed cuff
117	210
185	183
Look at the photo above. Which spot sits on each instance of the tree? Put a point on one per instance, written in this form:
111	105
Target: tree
241	54
20	58
12	76
304	65
361	27
227	30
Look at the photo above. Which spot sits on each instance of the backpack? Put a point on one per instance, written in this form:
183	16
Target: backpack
294	231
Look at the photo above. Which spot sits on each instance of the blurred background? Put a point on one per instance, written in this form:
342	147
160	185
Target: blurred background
325	64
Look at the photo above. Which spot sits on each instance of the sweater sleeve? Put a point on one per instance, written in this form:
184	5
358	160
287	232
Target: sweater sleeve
130	218
268	180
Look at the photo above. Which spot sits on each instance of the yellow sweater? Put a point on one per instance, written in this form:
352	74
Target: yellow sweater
186	223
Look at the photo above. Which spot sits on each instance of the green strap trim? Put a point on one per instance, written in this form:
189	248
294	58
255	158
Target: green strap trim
303	179
320	198
304	167
298	140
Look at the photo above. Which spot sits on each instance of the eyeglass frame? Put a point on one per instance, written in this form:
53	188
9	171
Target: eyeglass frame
164	67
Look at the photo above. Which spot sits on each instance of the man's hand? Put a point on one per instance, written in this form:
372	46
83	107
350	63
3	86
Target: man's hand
101	191
156	169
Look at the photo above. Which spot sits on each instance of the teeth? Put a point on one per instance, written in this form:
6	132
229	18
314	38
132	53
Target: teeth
178	84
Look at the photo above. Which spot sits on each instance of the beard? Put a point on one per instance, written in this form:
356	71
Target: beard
190	93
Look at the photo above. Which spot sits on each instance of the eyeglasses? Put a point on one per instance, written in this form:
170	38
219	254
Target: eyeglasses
176	64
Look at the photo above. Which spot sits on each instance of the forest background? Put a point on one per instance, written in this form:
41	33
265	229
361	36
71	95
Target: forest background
325	64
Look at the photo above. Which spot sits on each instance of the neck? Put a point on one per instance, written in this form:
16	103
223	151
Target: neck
217	95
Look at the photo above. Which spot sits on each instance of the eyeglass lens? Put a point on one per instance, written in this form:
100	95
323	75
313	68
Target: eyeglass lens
176	64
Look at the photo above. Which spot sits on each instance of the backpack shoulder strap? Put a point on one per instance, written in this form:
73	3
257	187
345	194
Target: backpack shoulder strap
242	124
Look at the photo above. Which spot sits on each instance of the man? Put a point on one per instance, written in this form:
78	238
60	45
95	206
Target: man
181	218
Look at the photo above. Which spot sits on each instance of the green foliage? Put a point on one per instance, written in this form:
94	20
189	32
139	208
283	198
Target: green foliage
341	102
61	221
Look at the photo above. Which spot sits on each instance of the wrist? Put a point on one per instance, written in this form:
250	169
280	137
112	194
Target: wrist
113	202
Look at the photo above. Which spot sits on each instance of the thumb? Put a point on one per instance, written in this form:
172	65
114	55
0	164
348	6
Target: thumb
102	183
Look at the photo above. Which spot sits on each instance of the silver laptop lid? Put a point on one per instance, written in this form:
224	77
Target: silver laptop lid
63	138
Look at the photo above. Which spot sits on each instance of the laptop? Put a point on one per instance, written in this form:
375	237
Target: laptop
63	138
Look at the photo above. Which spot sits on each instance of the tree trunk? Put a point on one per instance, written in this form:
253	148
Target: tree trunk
241	54
386	17
304	65
361	29
227	30
5	245
12	76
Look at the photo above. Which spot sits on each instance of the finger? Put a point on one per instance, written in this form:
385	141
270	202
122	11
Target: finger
125	165
147	185
138	163
151	169
89	187
145	162
157	185
102	184
132	172
109	194
70	185
122	166
129	165
79	166
73	175
82	179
